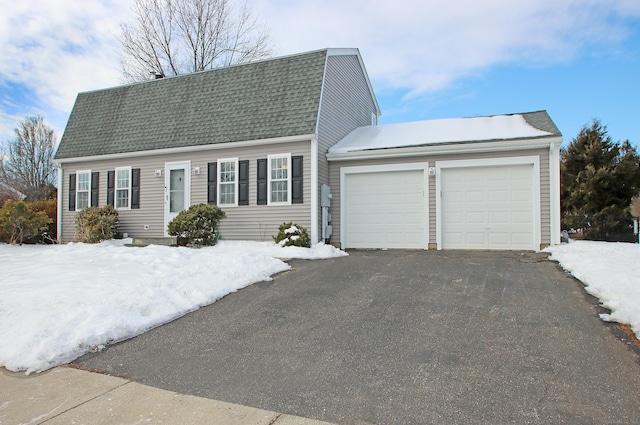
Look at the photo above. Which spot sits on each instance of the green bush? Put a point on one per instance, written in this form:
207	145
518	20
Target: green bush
50	207
96	224
197	225
18	222
290	234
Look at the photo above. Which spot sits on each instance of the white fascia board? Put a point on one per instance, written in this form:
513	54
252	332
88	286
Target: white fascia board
443	149
324	79
199	148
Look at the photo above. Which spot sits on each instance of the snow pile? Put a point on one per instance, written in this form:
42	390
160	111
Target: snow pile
59	302
610	272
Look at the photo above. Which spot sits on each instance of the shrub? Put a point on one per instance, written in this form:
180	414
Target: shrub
96	224
197	225
50	207
290	234
19	223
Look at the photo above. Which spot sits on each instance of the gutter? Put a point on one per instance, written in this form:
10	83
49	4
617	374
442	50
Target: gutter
187	149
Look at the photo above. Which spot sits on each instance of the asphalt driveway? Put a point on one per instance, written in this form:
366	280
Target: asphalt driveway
399	337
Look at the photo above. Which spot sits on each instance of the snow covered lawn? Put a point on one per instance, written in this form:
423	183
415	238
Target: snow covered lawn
58	302
610	271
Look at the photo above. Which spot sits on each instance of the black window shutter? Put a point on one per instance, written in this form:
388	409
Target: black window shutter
135	188
262	181
111	185
243	182
95	184
296	179
72	192
212	183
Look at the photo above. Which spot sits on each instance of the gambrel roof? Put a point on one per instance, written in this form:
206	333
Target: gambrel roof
260	100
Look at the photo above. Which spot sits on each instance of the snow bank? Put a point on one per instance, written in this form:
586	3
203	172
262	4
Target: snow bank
59	302
610	272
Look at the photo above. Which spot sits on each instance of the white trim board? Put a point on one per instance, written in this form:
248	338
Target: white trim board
187	149
447	148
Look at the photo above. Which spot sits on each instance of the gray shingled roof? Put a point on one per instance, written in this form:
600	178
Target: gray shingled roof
272	98
542	121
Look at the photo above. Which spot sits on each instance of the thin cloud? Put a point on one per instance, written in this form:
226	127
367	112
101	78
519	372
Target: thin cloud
423	47
54	50
57	49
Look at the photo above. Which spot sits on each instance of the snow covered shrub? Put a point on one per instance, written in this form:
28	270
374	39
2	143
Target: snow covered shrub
18	222
197	225
290	234
96	224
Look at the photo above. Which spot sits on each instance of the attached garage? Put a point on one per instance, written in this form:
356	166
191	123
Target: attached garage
385	207
488	204
481	183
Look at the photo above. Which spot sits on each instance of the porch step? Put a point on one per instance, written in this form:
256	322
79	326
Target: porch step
167	241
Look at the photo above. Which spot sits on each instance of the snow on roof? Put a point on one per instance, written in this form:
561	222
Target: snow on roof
451	130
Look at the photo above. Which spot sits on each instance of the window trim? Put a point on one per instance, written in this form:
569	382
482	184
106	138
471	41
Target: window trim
220	182
88	191
269	192
116	188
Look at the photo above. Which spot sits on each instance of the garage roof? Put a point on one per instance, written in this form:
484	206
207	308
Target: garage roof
530	125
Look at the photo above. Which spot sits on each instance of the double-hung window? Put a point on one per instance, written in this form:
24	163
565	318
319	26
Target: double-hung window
123	188
83	189
228	182
279	179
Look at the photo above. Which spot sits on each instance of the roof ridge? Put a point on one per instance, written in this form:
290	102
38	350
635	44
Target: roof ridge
206	71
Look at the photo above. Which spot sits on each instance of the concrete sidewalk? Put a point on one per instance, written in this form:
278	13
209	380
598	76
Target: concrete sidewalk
66	395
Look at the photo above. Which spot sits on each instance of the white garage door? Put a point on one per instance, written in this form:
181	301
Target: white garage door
385	210
489	207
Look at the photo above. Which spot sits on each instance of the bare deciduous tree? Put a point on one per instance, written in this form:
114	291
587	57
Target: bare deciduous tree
26	165
173	37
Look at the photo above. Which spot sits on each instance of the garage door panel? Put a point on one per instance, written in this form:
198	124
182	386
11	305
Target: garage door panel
498	208
497	195
498	238
521	196
475	218
475	239
497	175
524	217
475	196
500	217
523	239
385	209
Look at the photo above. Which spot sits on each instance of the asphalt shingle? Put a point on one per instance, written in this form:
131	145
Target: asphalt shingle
272	98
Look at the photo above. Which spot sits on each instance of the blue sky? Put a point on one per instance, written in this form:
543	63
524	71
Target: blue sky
578	59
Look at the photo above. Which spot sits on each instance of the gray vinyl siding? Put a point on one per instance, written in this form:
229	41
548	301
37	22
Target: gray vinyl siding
545	215
346	104
250	222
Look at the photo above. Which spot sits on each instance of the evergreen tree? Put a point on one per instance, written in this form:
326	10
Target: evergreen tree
599	177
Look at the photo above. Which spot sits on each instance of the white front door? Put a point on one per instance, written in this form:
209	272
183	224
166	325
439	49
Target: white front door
177	184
